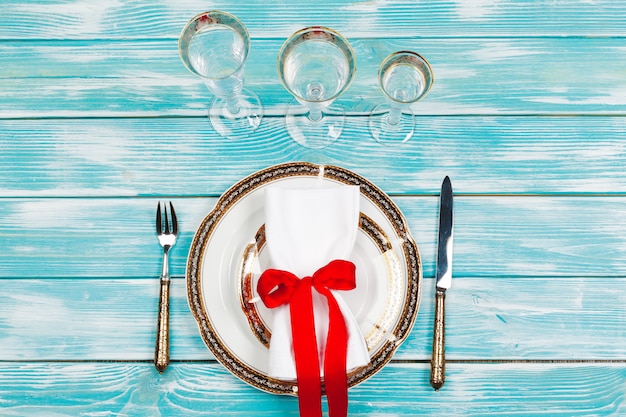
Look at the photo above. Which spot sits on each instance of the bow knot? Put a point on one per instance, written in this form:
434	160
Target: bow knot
277	287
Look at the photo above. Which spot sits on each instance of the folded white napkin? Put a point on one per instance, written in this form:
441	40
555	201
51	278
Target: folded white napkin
305	230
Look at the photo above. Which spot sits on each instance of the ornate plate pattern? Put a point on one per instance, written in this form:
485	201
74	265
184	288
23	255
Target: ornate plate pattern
226	257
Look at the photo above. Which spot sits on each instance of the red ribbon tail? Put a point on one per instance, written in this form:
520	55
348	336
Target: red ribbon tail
335	376
305	351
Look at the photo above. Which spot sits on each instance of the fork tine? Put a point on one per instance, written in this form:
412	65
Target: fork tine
159	223
167	224
174	220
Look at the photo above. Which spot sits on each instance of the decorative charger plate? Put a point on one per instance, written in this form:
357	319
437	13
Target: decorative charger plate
228	255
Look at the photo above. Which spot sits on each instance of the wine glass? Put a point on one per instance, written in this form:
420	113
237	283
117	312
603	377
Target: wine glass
214	45
405	77
315	65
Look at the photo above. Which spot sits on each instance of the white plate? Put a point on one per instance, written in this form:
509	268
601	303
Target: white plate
226	258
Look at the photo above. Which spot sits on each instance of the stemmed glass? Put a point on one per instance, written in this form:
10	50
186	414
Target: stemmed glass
214	45
404	77
315	65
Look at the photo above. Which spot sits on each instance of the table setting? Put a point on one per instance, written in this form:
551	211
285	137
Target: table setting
312	209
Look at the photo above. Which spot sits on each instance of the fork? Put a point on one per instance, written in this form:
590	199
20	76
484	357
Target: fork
167	231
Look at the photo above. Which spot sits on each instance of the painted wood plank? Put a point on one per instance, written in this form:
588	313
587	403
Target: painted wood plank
81	19
483	155
490	318
472	76
136	389
538	277
495	236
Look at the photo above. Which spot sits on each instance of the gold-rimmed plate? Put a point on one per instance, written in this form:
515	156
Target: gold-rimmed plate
226	257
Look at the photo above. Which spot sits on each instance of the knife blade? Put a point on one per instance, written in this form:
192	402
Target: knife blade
443	282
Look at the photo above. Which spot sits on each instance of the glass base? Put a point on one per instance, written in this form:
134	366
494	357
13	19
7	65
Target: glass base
314	134
237	125
391	134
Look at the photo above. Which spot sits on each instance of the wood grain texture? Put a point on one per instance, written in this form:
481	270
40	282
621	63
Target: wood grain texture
200	389
488	318
125	19
472	77
527	116
506	236
483	155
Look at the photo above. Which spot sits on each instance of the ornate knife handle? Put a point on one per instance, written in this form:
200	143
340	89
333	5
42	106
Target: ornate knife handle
162	352
438	361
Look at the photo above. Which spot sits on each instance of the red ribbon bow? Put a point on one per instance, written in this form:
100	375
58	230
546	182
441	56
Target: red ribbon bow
278	287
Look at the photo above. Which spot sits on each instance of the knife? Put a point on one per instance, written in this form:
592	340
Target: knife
443	282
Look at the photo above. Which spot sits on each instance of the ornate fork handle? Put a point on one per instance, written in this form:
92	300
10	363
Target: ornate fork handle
162	352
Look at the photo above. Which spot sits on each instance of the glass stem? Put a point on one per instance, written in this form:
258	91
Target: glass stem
232	104
315	114
393	118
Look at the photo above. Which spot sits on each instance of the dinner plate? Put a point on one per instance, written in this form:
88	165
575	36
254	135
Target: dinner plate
227	256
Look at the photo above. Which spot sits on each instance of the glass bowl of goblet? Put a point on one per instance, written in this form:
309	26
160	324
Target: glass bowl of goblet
214	45
315	65
404	77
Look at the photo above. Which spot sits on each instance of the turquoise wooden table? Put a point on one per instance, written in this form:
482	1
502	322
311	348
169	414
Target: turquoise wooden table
99	120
